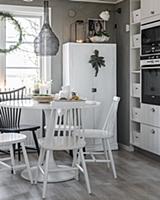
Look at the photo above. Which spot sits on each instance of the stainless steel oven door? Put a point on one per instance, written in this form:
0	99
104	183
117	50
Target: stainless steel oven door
151	85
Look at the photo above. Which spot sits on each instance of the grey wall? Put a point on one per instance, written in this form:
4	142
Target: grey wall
123	80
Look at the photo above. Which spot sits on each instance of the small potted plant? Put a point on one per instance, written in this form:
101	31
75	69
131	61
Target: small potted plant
101	35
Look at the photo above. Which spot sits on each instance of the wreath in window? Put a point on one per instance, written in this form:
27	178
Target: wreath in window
3	16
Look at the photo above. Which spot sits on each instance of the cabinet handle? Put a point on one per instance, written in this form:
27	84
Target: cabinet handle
94	90
153	110
152	12
136	88
153	131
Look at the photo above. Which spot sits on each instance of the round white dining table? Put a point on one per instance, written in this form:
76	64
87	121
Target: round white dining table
58	176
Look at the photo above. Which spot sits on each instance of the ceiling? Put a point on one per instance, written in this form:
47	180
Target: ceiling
100	1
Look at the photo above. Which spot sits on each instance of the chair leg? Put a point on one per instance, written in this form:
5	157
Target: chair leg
105	151
40	161
75	161
85	171
111	159
12	159
14	149
75	154
45	180
27	162
19	152
35	141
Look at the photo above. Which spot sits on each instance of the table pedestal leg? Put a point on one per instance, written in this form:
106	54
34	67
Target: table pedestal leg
53	177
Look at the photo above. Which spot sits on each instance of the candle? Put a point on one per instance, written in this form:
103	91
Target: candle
43	88
79	41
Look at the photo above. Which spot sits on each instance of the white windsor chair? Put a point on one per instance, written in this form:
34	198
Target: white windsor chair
64	121
106	133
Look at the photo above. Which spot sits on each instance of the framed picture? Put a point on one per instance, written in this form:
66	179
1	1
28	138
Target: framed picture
94	26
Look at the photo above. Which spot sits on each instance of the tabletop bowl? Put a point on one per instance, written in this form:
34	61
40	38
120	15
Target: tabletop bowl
43	98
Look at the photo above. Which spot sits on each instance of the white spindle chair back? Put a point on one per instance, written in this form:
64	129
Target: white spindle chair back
65	118
111	117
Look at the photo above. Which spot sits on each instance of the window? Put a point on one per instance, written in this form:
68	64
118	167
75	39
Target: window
22	66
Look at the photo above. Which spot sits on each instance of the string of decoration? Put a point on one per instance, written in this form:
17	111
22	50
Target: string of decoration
4	16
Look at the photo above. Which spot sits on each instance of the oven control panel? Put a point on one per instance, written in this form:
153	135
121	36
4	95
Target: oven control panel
152	60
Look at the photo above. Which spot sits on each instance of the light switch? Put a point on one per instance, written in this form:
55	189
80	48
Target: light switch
94	90
127	28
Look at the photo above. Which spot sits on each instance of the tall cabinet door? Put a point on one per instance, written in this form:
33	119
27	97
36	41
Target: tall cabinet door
105	85
79	75
105	82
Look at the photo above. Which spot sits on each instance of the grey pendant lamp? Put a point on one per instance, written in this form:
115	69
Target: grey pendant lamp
46	43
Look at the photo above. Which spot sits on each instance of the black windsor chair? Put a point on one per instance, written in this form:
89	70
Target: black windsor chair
10	117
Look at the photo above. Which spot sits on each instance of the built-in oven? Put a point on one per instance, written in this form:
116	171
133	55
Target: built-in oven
150	38
150	63
150	85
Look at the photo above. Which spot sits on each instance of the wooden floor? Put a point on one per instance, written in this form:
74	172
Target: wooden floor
138	179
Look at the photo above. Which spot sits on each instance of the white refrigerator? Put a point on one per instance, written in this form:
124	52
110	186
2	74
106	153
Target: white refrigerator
80	75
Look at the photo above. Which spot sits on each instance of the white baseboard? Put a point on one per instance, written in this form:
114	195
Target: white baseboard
129	148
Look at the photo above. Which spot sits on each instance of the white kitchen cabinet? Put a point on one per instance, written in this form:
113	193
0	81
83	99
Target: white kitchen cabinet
150	8
79	74
150	137
136	114
136	138
150	114
136	90
144	118
135	80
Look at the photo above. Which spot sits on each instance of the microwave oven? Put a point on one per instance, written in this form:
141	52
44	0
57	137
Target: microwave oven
150	39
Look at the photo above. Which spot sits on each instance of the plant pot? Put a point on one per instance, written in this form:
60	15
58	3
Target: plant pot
99	39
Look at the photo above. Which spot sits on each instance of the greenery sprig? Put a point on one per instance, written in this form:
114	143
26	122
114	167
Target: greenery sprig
3	16
101	33
97	61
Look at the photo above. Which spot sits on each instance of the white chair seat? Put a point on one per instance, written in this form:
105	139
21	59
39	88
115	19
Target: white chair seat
58	143
93	133
11	138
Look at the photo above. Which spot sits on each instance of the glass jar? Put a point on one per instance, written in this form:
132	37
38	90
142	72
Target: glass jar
78	33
